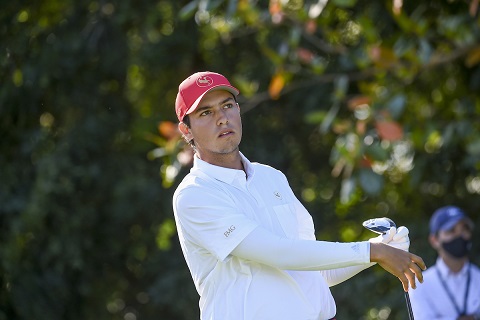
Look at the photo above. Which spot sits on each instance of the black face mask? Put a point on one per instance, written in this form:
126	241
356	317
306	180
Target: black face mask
458	247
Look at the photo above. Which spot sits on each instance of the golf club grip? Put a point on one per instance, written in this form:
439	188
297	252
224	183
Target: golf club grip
409	306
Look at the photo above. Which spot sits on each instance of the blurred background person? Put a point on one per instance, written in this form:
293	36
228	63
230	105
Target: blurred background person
451	287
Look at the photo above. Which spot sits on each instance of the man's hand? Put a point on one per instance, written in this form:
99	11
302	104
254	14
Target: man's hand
402	264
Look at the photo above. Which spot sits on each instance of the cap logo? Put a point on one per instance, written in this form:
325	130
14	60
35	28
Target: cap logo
452	213
204	81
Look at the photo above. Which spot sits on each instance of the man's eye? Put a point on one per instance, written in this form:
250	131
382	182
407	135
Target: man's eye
228	106
204	113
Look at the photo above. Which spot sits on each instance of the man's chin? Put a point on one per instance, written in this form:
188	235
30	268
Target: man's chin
227	151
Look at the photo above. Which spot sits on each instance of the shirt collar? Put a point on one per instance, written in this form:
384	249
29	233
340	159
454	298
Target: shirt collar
223	174
445	271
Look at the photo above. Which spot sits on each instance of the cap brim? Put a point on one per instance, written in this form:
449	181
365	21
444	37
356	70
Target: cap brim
230	89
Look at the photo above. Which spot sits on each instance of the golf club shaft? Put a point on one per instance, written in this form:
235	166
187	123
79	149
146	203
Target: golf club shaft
409	306
375	227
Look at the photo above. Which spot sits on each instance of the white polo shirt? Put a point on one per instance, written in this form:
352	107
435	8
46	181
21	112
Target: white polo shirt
215	209
431	300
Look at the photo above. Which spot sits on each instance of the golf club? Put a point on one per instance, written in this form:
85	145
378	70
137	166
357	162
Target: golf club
381	226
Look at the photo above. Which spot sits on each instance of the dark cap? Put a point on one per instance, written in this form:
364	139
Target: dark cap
446	218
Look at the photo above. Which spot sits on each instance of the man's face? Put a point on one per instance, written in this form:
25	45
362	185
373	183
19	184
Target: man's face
461	229
215	126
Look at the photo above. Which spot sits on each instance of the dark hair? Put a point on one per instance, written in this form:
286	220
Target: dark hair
186	120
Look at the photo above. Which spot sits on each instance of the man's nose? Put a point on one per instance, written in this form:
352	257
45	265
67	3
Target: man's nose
222	117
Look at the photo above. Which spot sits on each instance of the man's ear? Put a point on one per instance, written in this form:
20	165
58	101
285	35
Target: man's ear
185	130
434	241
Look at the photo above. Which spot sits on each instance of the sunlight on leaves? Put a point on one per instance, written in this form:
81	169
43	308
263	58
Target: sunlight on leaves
164	234
434	142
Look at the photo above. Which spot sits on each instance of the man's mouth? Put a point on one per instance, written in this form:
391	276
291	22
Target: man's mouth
225	133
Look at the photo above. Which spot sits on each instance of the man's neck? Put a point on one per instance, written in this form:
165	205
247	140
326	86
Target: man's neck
231	160
454	264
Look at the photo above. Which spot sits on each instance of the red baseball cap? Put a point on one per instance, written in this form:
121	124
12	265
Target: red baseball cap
193	89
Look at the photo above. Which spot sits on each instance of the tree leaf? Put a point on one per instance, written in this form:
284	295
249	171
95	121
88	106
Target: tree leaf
473	57
345	3
396	105
276	85
389	130
188	10
371	182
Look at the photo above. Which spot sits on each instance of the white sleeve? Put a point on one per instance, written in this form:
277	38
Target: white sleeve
336	276
265	247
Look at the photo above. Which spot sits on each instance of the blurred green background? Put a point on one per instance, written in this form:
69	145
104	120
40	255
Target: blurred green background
371	108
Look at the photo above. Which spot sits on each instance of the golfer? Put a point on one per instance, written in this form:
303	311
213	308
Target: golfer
451	290
248	241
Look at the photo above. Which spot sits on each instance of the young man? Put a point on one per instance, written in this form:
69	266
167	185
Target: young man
451	290
248	242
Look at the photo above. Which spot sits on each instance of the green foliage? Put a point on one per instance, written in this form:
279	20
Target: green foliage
370	108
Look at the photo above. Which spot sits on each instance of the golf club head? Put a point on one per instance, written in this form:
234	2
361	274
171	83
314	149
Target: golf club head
379	225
